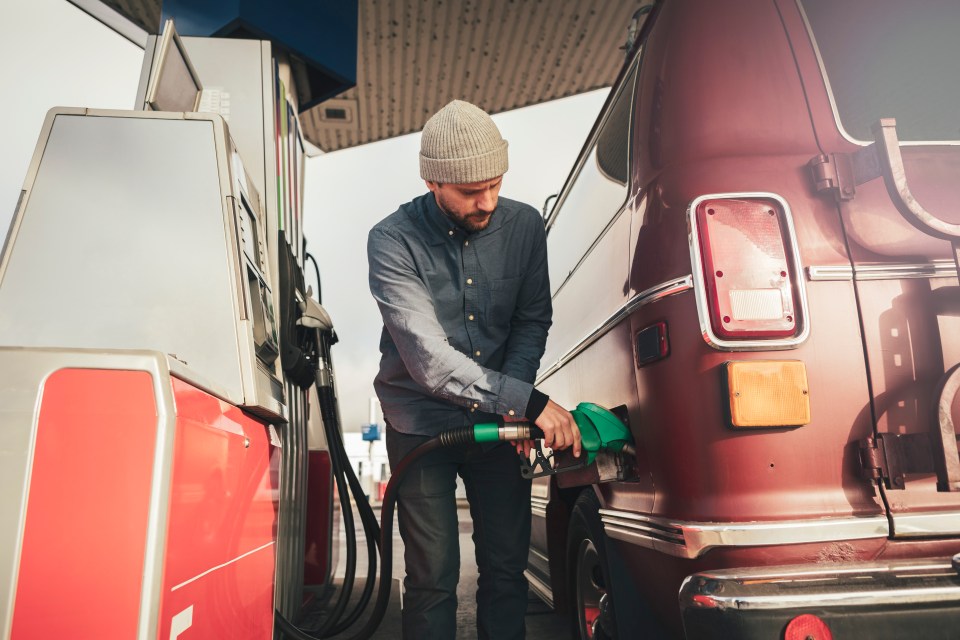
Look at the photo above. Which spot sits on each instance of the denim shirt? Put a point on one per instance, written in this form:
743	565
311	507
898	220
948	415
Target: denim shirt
465	315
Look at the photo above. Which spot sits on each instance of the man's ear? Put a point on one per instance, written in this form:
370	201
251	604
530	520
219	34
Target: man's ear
433	186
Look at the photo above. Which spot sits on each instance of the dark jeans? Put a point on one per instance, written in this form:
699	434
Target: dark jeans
427	512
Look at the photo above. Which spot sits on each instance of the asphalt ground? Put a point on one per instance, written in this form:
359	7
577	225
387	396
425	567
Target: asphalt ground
542	622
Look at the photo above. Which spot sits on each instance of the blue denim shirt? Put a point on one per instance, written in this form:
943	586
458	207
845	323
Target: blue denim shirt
465	315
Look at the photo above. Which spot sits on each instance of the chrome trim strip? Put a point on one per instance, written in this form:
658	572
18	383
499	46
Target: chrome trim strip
648	296
538	506
687	539
868	584
539	587
886	271
821	273
700	289
543	558
914	525
833	102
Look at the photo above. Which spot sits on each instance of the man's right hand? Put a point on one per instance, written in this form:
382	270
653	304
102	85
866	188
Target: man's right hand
559	428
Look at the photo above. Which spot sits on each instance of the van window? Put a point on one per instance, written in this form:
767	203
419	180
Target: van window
597	192
891	59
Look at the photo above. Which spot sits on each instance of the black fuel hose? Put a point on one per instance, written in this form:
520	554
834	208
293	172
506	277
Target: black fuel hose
454	437
336	622
371	527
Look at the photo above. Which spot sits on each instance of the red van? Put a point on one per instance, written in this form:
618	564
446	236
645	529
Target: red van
754	263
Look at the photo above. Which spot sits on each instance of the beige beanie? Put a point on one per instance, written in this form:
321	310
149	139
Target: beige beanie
461	144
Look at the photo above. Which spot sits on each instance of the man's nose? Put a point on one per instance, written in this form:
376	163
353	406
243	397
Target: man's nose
487	201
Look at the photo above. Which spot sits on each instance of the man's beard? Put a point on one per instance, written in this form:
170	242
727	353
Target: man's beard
469	222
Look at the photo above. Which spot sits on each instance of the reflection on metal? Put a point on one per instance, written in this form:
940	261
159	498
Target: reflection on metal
895	178
653	294
868	584
919	525
538	506
291	536
948	461
686	539
934	269
539	587
699	286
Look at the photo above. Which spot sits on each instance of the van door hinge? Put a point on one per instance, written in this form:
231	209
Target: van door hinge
890	456
871	459
842	172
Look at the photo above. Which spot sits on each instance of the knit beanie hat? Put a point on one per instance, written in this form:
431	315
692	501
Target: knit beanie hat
461	144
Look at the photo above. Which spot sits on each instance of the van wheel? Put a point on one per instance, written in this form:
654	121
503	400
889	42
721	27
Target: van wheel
592	616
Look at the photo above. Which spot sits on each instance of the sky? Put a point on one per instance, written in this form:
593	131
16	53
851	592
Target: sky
55	55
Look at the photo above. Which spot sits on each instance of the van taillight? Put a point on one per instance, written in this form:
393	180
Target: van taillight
749	270
807	627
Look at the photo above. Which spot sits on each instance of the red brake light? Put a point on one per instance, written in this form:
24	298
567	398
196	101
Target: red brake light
807	627
748	268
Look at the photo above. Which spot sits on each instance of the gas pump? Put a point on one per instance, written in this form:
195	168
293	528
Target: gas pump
159	428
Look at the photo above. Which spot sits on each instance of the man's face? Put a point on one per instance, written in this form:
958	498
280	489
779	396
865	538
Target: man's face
468	205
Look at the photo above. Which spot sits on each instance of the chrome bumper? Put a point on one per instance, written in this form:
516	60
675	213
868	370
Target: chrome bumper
874	599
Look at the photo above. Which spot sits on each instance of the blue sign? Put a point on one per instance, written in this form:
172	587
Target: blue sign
371	432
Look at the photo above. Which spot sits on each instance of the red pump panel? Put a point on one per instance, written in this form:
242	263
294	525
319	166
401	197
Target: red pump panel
89	500
222	528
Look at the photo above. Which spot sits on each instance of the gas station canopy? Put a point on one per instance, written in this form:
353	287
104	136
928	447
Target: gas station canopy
414	56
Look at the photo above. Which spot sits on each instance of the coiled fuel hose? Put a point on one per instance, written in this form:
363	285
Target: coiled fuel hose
485	432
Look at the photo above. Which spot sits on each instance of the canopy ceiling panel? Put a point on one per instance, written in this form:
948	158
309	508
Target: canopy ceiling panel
416	55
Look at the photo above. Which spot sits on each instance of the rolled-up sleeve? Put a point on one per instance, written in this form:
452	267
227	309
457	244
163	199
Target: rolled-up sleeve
411	320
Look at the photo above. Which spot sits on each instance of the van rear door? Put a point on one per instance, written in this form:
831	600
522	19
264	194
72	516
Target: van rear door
863	62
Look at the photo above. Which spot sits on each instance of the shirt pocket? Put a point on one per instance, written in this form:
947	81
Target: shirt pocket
500	299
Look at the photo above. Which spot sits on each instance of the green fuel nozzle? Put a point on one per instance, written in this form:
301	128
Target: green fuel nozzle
600	430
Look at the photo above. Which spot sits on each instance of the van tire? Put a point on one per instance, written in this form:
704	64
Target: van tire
592	615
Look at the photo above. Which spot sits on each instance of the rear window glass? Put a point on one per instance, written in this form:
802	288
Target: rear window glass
886	59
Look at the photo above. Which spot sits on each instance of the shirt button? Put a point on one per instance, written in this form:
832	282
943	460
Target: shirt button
476	405
472	410
470	317
512	412
469	280
466	243
478	353
450	232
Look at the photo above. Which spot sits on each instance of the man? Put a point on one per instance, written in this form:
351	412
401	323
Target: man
460	277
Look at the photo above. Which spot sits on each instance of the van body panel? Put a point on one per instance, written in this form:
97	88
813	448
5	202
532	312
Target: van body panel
730	102
910	324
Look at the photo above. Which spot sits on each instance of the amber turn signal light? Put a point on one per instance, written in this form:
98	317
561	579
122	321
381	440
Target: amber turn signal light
768	393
